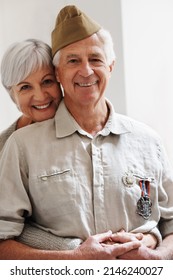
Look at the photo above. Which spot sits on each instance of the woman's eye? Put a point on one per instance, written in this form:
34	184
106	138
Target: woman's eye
24	87
48	82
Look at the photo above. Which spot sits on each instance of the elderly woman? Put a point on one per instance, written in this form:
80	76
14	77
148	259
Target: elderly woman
28	76
27	73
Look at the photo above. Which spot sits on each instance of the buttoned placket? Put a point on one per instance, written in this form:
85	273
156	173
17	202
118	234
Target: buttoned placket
98	186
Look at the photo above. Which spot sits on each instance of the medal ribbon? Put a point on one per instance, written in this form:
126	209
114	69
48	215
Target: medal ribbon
145	188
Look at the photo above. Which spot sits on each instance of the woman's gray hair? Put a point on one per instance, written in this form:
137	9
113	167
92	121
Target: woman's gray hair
23	58
106	39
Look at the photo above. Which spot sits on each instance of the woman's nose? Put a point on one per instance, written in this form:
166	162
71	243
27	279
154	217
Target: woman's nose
39	93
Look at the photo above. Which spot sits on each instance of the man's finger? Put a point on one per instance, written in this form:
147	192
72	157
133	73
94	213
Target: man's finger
101	237
120	249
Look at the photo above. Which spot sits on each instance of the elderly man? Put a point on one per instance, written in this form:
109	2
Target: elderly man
88	172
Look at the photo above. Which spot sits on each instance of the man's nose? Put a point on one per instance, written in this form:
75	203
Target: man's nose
85	69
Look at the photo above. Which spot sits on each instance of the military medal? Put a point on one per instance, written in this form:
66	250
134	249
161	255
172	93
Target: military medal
144	203
129	179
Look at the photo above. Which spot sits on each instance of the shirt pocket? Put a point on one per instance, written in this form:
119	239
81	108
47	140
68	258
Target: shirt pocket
53	191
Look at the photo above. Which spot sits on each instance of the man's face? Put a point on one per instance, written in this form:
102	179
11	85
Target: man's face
83	72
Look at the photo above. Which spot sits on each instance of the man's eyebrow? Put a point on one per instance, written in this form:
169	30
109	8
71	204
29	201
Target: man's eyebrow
95	54
72	55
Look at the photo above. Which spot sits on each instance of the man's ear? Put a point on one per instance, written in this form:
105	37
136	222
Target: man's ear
57	75
111	67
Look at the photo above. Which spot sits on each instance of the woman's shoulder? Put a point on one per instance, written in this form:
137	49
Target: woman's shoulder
5	134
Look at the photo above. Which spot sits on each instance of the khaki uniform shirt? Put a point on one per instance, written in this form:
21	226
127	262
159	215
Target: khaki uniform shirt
76	185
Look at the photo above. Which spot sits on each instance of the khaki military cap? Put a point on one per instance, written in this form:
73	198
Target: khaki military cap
71	25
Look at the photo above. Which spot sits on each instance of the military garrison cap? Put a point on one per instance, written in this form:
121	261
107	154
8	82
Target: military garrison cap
71	25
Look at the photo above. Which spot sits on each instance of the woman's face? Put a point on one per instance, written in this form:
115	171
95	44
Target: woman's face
39	95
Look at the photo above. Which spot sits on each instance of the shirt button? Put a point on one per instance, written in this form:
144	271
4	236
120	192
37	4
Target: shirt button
44	178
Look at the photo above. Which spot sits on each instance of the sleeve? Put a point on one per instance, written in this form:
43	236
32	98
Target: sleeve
14	200
155	231
165	194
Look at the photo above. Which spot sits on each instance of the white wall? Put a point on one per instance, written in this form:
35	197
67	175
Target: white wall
21	20
148	57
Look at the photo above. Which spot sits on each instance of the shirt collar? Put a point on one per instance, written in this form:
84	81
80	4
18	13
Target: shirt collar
116	123
66	125
64	122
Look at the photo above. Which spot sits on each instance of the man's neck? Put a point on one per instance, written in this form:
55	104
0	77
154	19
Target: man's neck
91	118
